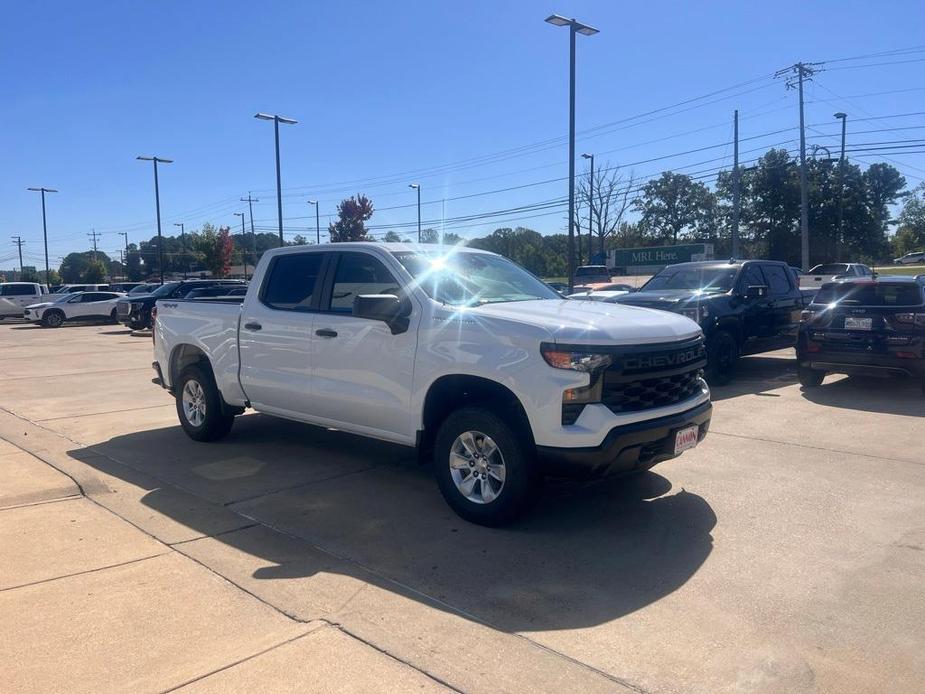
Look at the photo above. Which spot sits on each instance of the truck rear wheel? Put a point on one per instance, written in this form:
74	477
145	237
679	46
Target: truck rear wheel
809	378
482	467
200	407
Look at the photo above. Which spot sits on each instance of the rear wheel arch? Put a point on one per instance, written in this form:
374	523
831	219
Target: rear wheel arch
186	355
450	393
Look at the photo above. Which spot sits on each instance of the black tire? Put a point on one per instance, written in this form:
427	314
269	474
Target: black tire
53	319
722	356
810	378
521	476
114	317
213	421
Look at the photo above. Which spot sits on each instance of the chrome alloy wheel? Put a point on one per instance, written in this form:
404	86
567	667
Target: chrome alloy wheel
477	467
194	403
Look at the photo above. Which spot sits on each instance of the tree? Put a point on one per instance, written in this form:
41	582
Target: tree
674	203
607	206
221	258
133	264
910	233
95	272
391	237
75	267
352	215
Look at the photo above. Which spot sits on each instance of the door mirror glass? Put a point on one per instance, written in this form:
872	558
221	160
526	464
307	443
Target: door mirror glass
387	308
756	291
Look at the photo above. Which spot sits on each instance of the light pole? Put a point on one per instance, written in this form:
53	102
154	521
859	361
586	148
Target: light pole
841	187
277	119
157	203
575	27
44	225
317	222
182	244
243	249
591	208
417	187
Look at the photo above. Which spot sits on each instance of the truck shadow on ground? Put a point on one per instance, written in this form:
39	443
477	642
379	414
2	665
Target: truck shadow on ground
901	396
589	552
757	375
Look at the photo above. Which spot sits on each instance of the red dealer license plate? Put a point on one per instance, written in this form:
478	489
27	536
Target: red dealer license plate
686	438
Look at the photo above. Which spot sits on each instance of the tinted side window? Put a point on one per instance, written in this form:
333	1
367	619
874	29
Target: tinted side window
292	282
90	297
18	290
359	273
752	277
778	281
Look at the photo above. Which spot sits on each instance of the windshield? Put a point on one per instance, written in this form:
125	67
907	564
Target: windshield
707	279
464	278
142	289
165	290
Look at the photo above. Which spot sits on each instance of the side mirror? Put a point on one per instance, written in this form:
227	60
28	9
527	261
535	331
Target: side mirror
387	308
756	291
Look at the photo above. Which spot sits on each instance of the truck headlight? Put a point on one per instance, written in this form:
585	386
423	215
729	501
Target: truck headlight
697	314
588	362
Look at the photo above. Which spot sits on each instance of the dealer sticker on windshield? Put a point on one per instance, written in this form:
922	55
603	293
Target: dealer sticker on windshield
686	438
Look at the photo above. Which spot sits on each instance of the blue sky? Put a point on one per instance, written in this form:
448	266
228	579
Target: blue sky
390	93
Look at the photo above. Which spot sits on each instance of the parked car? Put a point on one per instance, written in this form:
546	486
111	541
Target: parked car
864	326
829	272
603	292
561	287
135	311
79	306
15	296
124	286
743	306
911	259
591	274
73	288
460	353
145	288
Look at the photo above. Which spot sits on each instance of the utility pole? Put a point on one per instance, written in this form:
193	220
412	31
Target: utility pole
841	188
277	119
736	187
591	208
44	224
94	235
243	249
417	187
575	27
250	206
122	263
157	203
800	72
182	243
317	222
19	242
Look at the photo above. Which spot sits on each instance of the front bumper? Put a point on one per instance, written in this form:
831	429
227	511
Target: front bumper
636	446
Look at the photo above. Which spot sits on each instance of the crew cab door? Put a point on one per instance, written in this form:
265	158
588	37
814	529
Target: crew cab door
275	334
785	303
756	314
361	372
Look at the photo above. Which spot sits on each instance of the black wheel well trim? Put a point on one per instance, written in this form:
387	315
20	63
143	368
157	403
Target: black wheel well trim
453	391
731	326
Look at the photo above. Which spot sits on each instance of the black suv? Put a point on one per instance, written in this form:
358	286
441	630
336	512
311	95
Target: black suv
135	311
742	306
864	326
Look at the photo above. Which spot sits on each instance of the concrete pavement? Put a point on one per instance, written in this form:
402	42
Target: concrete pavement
784	554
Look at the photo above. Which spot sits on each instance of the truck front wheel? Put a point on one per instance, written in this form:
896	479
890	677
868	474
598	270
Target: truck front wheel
482	467
722	355
199	405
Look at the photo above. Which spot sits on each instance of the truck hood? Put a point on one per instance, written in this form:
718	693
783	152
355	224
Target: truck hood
593	322
667	299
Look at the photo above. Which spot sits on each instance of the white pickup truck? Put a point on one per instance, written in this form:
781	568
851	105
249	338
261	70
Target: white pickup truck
460	353
15	296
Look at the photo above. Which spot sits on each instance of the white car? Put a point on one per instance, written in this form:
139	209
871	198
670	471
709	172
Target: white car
72	288
911	259
605	292
81	306
459	353
829	272
15	296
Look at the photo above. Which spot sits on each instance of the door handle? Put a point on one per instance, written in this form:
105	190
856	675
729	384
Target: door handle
325	332
253	326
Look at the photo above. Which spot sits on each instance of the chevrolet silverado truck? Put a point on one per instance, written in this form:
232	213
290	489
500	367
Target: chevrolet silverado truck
462	354
743	306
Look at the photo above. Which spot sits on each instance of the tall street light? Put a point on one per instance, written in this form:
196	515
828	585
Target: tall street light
841	186
417	187
277	119
243	249
182	243
157	203
317	222
591	209
575	27
44	225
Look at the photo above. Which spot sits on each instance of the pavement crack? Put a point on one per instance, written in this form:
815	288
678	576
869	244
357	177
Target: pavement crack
246	526
280	490
83	573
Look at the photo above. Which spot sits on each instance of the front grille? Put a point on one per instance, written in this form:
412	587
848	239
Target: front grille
644	380
123	308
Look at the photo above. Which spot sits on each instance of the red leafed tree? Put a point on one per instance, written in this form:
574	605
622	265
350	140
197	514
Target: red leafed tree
352	215
223	251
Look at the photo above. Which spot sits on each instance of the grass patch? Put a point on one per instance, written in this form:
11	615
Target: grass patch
901	270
